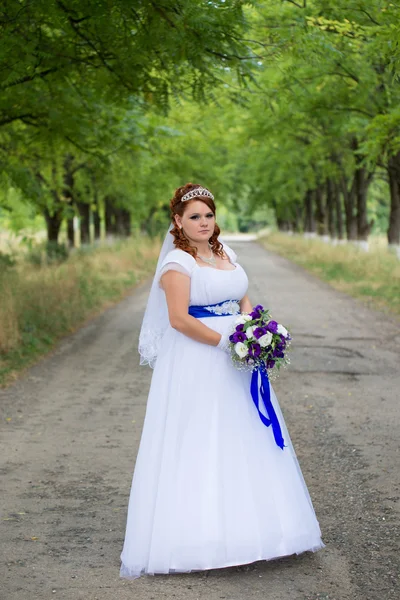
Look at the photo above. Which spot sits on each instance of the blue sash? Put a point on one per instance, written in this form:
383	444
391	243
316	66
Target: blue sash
227	308
220	309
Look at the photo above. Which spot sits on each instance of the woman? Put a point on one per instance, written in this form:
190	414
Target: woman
211	488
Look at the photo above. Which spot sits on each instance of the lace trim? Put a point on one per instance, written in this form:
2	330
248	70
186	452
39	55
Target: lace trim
149	345
229	307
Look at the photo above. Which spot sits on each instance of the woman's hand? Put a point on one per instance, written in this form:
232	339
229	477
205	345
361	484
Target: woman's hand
223	343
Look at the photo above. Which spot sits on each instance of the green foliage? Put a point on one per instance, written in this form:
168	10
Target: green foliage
259	101
373	277
39	306
6	261
47	253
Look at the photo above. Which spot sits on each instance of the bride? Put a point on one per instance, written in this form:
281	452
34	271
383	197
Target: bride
211	488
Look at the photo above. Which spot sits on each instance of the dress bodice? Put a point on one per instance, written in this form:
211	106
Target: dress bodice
209	285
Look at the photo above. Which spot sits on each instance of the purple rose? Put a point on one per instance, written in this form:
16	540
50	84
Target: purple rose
234	337
241	336
272	326
255	350
270	363
240	327
258	332
255	314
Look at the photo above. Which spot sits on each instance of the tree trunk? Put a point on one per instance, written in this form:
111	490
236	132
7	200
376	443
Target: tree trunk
96	214
84	222
283	224
55	215
53	224
110	216
330	206
145	225
126	220
70	232
393	232
362	181
320	212
309	221
68	187
349	209
119	221
338	211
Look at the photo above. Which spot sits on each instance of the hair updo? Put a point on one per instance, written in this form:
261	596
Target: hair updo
177	207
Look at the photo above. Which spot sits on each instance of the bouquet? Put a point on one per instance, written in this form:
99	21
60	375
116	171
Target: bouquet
258	341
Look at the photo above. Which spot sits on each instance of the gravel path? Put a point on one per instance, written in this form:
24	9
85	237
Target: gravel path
70	430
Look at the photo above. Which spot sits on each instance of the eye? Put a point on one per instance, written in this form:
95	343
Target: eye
195	217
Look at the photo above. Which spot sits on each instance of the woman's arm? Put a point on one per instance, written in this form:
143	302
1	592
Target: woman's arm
245	304
177	291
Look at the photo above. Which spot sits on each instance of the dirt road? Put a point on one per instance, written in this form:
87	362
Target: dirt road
70	430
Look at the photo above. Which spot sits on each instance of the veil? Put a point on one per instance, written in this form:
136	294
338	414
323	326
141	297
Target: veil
156	319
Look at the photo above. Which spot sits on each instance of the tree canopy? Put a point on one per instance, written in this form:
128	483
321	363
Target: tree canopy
286	107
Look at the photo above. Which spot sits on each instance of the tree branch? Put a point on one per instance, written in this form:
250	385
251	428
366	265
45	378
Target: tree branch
229	57
296	3
368	15
11	119
163	14
27	78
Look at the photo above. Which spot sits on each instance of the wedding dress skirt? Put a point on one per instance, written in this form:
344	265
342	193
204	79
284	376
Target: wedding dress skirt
210	486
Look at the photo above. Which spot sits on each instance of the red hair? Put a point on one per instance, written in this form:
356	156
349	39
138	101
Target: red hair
178	207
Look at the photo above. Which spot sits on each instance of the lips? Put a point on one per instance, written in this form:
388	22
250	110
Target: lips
205	231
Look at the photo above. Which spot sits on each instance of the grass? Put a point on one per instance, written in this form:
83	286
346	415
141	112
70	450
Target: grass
373	277
39	305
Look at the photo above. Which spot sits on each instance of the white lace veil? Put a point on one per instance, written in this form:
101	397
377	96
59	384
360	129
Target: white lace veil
155	319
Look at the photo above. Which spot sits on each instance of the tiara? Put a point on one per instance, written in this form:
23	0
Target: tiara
200	191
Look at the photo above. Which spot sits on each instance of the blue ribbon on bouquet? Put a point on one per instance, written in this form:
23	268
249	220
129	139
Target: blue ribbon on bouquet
218	310
265	394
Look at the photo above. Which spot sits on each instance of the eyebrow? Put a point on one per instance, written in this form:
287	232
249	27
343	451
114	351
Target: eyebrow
207	213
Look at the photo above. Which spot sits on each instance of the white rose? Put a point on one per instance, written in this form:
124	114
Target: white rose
265	339
241	349
240	320
282	330
250	332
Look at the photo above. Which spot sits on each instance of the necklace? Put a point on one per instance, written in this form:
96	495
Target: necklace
211	260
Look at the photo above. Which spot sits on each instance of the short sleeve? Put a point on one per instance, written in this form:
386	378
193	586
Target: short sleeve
177	260
231	253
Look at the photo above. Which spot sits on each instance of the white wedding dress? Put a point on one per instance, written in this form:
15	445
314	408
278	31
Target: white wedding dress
211	488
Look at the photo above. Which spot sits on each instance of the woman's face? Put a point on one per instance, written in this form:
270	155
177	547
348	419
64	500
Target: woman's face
198	221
